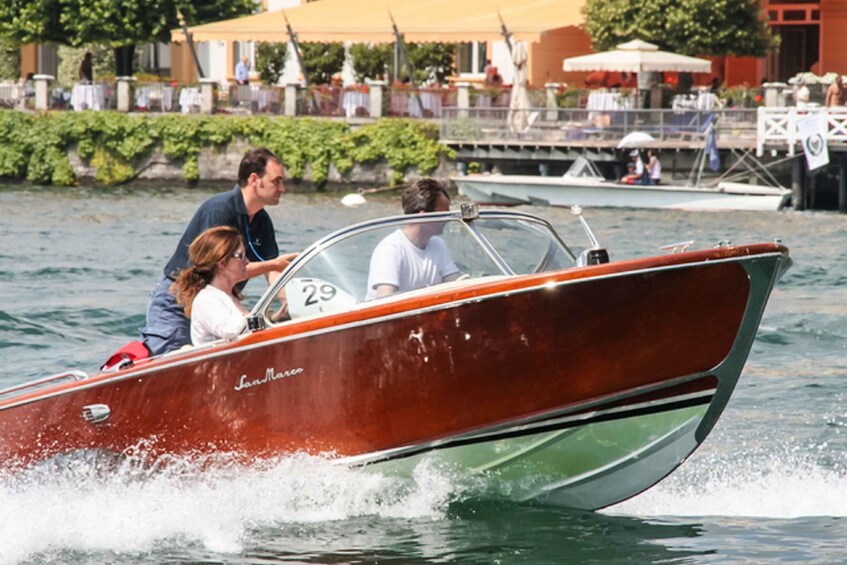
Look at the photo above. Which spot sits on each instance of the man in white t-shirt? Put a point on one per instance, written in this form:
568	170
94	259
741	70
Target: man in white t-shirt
413	257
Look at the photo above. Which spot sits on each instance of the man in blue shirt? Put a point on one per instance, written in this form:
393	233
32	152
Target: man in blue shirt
242	71
260	184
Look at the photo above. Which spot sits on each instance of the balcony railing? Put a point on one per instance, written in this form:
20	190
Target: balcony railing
563	125
777	127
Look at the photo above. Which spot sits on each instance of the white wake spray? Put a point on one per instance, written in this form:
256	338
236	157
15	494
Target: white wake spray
82	507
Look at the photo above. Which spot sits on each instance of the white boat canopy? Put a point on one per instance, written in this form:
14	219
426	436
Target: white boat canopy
637	56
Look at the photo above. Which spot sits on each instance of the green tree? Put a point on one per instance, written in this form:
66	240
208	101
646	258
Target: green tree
103	60
371	61
691	27
119	24
270	61
432	61
10	62
322	60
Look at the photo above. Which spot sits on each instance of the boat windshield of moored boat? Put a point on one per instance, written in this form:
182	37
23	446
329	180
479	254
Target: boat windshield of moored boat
548	374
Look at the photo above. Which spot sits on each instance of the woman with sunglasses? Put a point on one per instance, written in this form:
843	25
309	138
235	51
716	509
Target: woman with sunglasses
206	289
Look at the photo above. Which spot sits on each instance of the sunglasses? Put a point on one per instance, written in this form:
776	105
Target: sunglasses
240	255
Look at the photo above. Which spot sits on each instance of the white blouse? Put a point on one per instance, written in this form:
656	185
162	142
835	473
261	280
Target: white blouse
215	315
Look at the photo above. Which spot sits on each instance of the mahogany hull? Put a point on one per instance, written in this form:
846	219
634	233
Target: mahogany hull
451	370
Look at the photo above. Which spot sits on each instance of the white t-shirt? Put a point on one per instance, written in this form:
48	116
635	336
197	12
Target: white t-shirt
639	166
399	262
801	97
214	315
656	169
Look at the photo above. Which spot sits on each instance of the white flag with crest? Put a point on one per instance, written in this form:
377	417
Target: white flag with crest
811	131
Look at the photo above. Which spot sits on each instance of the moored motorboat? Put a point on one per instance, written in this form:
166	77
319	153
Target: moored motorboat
583	185
560	376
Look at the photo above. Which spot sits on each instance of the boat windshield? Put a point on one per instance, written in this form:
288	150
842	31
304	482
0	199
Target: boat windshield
333	275
582	168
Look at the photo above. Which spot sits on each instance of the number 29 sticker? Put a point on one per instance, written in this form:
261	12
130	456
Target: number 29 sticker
311	296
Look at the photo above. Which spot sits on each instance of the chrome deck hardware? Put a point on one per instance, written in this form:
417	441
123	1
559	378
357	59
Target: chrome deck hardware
96	413
679	247
470	211
58	377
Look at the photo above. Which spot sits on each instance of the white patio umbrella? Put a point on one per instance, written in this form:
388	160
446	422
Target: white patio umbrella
636	139
519	104
637	57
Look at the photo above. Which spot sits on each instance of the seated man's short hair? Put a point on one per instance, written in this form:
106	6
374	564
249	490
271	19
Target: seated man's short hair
422	194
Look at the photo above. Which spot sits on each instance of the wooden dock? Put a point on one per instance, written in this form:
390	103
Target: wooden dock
555	138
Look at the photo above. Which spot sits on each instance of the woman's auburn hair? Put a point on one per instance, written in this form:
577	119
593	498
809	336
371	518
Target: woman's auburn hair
205	252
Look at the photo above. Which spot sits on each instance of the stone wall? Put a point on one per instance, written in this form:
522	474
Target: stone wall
221	167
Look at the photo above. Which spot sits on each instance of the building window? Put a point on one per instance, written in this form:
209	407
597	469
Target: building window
471	57
243	48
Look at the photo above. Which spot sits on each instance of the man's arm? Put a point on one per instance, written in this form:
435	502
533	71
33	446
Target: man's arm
271	268
383	290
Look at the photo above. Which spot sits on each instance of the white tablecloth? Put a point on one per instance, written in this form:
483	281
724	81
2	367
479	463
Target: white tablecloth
189	100
264	97
353	99
703	101
88	97
429	100
605	101
155	96
10	94
404	103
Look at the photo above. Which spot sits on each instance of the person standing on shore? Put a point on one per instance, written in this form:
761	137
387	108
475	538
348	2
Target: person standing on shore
242	71
801	94
260	184
836	94
86	69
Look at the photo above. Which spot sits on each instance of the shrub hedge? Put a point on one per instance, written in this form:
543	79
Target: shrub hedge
34	147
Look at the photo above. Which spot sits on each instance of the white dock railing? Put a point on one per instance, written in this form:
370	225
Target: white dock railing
778	126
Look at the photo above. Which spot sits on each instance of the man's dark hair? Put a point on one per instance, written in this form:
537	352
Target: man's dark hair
255	162
421	195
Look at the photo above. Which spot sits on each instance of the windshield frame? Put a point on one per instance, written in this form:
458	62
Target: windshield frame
333	238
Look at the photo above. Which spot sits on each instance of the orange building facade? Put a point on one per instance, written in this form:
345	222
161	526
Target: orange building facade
813	38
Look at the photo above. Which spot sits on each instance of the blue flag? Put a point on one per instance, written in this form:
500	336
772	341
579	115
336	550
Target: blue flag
712	149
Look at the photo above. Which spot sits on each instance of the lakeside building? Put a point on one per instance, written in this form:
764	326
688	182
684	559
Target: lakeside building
809	30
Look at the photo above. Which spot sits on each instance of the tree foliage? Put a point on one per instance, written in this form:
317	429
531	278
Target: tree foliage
691	27
114	23
270	61
103	62
322	60
371	61
432	61
10	62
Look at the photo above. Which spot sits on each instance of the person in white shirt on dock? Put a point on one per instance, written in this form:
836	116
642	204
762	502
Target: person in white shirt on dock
654	167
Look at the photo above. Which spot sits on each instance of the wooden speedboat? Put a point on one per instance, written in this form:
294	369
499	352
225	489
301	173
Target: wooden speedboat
561	377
